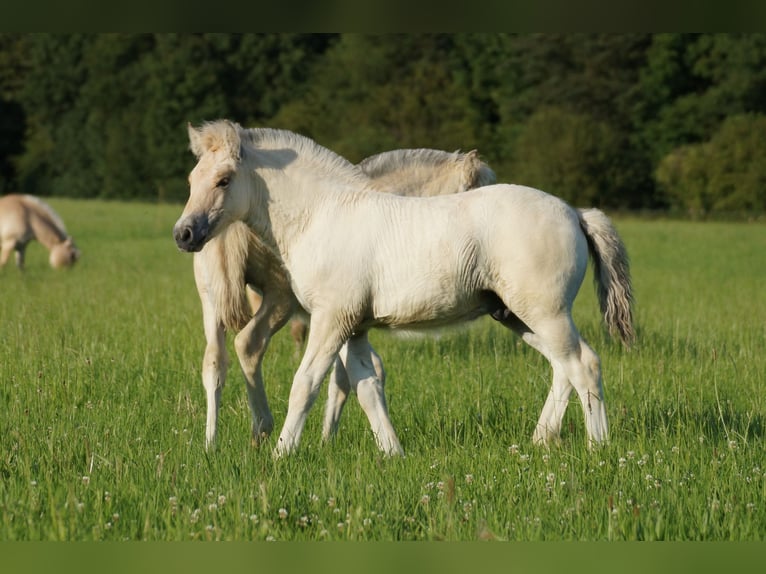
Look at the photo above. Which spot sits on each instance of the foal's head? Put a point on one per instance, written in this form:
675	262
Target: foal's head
65	254
217	193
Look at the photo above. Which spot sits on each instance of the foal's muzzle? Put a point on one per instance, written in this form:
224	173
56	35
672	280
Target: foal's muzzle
191	233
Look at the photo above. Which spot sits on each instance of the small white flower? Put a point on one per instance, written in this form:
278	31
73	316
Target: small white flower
282	513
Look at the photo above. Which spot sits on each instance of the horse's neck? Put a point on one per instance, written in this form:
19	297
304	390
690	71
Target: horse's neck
45	228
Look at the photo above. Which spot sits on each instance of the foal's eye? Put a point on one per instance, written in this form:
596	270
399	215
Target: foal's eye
223	182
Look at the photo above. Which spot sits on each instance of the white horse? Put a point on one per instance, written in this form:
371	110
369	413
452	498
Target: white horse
24	218
356	259
236	259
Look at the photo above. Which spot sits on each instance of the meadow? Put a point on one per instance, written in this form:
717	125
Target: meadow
102	410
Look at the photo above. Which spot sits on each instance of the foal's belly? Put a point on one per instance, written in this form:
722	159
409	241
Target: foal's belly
431	313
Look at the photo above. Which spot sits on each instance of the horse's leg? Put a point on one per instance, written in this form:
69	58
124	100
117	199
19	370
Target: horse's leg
324	341
250	345
214	365
337	395
339	389
573	360
20	252
359	360
548	426
298	330
5	252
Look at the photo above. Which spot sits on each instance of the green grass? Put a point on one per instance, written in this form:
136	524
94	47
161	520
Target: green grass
102	411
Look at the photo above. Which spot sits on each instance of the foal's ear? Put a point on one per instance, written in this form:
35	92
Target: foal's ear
195	141
222	134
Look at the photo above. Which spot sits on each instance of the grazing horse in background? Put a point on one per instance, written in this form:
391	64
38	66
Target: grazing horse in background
236	259
24	218
512	252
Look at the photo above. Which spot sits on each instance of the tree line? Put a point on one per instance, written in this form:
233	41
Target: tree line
671	122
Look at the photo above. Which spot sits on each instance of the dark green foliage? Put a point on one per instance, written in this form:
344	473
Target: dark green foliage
725	174
590	117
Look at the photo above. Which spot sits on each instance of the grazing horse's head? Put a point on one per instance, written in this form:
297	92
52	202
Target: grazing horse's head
65	254
217	197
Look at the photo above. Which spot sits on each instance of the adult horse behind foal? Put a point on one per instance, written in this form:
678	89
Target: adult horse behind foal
513	252
24	218
236	258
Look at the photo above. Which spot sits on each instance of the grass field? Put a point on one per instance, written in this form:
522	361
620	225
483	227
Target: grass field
102	409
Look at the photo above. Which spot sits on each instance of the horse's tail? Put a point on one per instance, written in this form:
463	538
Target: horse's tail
611	273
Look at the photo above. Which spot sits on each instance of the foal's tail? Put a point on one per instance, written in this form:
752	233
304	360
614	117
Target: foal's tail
611	273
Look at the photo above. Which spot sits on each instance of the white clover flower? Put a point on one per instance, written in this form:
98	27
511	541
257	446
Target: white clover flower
282	513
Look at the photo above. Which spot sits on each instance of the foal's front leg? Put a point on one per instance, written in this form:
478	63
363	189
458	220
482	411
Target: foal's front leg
324	341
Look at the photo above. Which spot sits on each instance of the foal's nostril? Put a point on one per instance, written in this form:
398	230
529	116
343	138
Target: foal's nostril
183	236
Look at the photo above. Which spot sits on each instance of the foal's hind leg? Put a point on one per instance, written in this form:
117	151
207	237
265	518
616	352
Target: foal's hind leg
582	367
365	373
549	424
